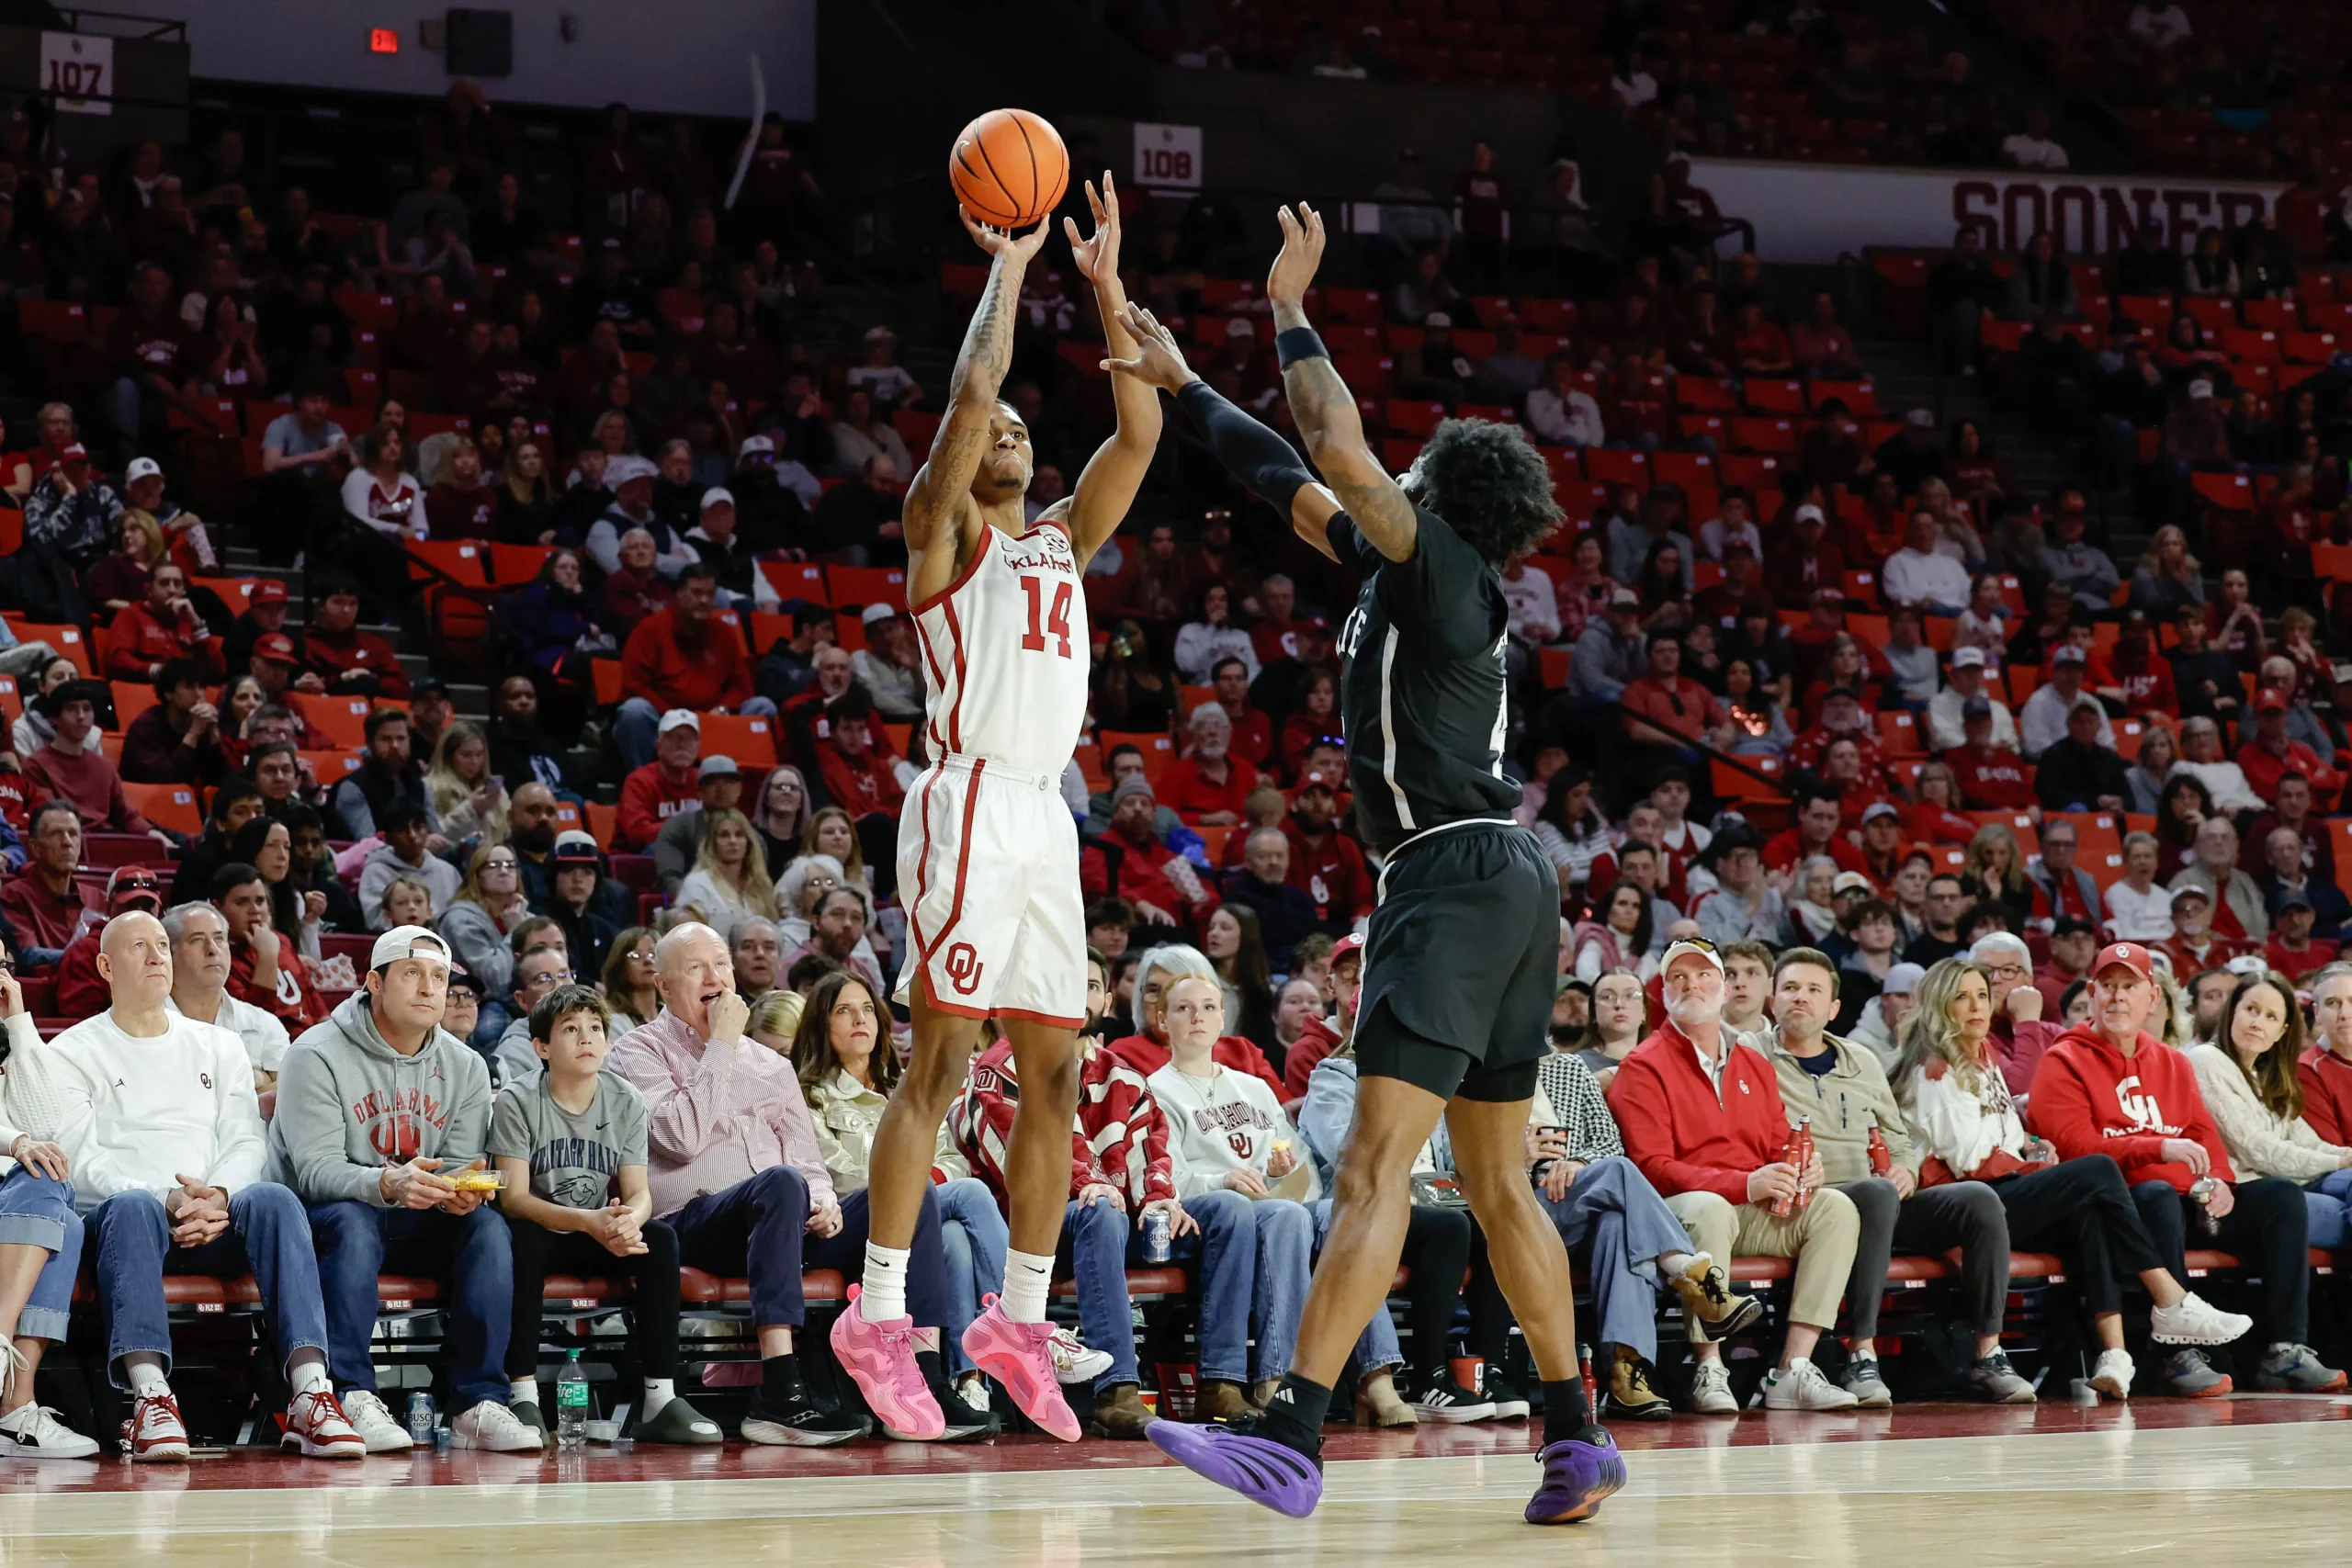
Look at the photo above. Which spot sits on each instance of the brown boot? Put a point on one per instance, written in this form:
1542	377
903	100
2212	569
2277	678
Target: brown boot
1379	1405
1119	1413
1708	1301
1221	1401
1261	1393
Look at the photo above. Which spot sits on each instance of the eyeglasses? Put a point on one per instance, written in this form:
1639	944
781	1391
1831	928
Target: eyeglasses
553	977
500	865
2008	972
644	957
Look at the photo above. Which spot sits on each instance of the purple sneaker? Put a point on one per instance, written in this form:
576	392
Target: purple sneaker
1577	1477
1263	1470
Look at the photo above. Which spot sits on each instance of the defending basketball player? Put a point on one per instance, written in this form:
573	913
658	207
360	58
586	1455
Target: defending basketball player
988	853
1463	944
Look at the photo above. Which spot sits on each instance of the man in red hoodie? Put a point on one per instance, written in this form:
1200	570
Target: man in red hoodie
653	793
2270	755
145	637
1322	1037
2109	1086
1702	1119
1325	863
681	656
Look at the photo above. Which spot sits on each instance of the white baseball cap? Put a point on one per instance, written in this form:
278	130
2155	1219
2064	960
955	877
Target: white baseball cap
143	469
680	718
1694	946
716	495
409	941
1970	657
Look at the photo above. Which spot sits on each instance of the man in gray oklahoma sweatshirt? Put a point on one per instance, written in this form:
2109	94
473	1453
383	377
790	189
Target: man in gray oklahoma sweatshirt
378	1110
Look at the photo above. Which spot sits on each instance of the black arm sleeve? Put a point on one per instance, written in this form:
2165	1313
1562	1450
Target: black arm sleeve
1250	449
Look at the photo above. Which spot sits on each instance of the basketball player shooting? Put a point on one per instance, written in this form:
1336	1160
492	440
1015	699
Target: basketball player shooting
988	853
1463	944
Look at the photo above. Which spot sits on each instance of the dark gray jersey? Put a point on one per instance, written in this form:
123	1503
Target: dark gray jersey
1422	684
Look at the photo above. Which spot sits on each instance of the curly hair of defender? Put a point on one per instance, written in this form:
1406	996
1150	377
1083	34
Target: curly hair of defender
1489	484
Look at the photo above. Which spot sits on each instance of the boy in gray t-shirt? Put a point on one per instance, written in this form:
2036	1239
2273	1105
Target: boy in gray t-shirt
570	1141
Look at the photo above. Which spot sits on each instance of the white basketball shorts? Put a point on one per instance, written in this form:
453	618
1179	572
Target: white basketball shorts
988	866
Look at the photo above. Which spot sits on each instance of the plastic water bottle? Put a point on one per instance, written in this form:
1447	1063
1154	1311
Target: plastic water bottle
572	1406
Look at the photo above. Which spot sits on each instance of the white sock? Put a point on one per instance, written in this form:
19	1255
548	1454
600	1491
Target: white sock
307	1372
1675	1264
523	1391
146	1374
1027	1277
884	1294
659	1392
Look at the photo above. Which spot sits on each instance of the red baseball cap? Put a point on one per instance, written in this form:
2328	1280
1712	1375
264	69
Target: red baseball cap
2130	954
278	648
1347	946
269	591
2269	699
73	452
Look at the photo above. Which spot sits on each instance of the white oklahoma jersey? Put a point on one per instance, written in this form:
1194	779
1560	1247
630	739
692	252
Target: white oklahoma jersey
987	853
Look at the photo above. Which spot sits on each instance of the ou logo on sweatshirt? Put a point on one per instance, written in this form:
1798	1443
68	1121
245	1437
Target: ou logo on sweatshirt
2144	1113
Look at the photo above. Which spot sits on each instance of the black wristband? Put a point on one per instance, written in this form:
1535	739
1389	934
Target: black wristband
1294	344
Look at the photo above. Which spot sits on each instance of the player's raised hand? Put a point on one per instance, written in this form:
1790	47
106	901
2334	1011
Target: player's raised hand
1097	258
1004	241
1302	253
1158	361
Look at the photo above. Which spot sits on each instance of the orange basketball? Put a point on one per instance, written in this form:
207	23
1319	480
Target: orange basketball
1009	168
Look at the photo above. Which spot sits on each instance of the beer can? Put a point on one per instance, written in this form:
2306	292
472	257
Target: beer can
1158	1233
421	1418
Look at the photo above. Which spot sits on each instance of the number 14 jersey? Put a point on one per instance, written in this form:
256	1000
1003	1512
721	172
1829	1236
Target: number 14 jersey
1006	653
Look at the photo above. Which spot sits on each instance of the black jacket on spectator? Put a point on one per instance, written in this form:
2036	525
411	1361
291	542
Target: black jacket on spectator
851	517
2071	776
376	789
2192	671
526	756
767	516
1286	913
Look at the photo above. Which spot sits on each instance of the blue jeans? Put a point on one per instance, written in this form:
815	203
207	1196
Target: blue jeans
637	724
1094	1245
972	1235
758	1229
2329	1199
268	1236
1611	1208
468	1254
36	1212
1255	1260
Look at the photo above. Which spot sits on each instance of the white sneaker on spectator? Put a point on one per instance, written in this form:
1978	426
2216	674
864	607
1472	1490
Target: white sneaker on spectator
491	1426
32	1431
2189	1320
1800	1386
1711	1390
155	1434
1073	1362
316	1428
366	1412
2111	1374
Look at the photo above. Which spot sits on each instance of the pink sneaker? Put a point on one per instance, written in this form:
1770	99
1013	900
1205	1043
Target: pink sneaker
1020	1356
881	1356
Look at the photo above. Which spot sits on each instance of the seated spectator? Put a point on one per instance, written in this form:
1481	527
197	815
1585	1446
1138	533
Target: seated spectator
578	902
1286	913
1228	1150
1842	718
890	664
855	763
1130	858
630	479
2077	773
45	907
72	767
1921	578
2220	783
565	1138
789	667
162	626
351	662
2043	721
73	511
737	1173
839	919
487	910
265	967
2019	1035
2269	756
2139	908
2193	946
171	1190
1820	1074
2292	950
461	504
2174	1160
2283	874
729	880
1743	906
715	539
403	855
1720	1173
1821	347
858	523
1203	643
1209	786
1561	412
178	739
2062	890
633	590
679	657
1253	731
1969	1129
2238	912
719	786
2086	570
387	773
381	1185
554	622
1146	1051
201	952
665	786
121	576
757	953
1815	832
1620	935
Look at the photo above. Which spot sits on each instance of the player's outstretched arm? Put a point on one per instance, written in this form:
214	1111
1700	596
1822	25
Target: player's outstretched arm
1107	487
945	477
1321	403
1251	452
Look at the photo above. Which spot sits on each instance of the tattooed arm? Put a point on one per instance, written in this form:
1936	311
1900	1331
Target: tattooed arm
1326	411
936	498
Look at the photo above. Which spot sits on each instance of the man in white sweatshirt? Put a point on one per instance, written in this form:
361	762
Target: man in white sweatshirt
163	1132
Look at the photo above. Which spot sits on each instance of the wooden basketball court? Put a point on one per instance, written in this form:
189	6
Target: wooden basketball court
2256	1479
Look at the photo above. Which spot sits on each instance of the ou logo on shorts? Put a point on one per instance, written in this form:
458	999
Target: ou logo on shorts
963	968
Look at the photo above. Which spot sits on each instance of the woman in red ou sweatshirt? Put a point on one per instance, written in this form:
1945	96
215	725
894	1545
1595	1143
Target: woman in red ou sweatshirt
2109	1086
